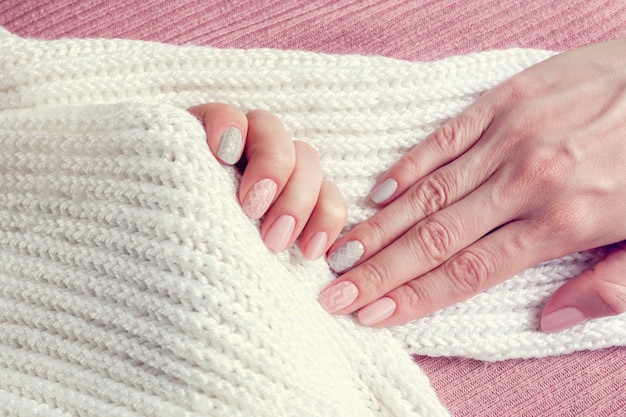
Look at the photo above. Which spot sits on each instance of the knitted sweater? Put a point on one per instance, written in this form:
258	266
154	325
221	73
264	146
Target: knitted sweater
131	282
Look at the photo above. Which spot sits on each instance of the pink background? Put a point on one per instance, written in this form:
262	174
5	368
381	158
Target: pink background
585	383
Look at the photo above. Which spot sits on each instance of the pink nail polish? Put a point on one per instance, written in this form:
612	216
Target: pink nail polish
338	296
279	234
377	311
562	319
315	248
259	198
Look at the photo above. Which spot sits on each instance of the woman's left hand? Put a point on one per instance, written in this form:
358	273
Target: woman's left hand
282	179
533	170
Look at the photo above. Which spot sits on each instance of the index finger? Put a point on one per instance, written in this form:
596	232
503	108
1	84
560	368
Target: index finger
446	143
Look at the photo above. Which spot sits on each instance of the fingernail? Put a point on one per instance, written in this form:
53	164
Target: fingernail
315	248
229	149
345	256
384	190
562	319
259	198
280	232
376	312
338	296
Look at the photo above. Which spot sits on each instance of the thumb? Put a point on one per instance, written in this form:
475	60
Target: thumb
598	292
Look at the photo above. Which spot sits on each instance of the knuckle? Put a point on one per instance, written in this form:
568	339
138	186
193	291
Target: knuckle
409	165
605	281
436	239
307	150
255	116
413	297
432	194
275	159
469	272
374	275
551	168
548	167
447	136
332	212
377	230
615	301
565	220
332	198
517	88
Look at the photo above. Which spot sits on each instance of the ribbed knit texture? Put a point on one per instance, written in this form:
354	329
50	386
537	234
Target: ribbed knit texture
406	29
132	278
568	385
414	30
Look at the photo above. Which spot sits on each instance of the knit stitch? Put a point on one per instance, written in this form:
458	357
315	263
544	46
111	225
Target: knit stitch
132	284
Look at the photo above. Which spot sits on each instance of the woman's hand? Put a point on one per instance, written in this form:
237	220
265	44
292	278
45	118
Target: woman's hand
533	170
282	178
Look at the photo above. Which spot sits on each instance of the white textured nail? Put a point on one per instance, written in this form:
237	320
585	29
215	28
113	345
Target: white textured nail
346	255
384	191
231	142
259	198
338	296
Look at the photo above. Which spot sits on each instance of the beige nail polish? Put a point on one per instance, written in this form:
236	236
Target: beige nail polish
377	311
316	245
279	234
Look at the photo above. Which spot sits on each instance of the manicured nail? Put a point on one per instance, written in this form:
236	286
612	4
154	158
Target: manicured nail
562	319
259	198
346	255
376	312
384	190
230	146
315	248
280	232
338	296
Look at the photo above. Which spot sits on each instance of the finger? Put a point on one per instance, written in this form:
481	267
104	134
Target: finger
289	214
446	143
598	292
271	158
424	247
488	262
325	223
437	191
225	128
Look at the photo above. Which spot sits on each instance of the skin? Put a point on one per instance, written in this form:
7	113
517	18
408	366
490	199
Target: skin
535	169
269	152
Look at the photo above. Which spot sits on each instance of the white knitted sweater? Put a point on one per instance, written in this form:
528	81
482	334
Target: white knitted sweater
131	283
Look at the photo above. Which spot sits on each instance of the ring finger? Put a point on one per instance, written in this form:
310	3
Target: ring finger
421	249
291	211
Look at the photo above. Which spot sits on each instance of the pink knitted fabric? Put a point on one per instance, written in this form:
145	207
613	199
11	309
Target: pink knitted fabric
586	383
403	29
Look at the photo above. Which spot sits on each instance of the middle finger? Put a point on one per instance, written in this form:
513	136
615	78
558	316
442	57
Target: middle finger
422	248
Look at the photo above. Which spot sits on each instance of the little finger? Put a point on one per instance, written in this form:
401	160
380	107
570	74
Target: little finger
489	261
293	207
